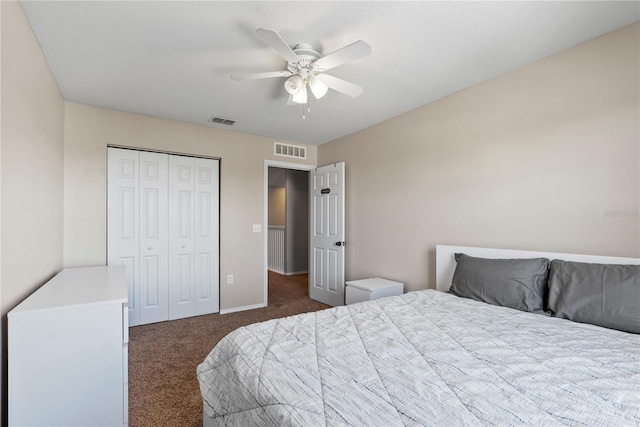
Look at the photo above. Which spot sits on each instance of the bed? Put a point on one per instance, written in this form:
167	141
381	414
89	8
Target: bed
431	358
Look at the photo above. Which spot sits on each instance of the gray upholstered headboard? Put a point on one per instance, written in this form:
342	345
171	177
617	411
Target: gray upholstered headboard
446	263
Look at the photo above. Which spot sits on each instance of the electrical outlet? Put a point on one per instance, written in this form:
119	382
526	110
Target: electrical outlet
257	228
229	279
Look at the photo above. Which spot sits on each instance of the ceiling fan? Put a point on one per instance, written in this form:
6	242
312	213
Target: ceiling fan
306	68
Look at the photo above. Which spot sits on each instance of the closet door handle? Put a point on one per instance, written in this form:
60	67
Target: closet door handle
183	246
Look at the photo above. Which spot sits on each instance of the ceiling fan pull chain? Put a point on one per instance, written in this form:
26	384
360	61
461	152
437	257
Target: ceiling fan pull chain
303	116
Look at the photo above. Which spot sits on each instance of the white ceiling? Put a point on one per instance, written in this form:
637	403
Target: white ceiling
173	59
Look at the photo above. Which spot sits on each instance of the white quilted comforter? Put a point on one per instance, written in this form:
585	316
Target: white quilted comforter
423	358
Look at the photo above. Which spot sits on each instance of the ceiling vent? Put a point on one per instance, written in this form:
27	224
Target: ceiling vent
222	121
288	150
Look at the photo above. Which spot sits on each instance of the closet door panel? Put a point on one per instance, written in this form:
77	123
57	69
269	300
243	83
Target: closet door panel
123	221
206	236
154	237
181	237
163	225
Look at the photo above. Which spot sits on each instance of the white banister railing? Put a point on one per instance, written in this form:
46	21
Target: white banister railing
275	240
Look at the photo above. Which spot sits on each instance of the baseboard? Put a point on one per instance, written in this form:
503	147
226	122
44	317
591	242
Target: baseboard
291	273
243	308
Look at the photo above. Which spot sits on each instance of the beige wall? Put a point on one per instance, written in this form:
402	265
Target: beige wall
277	203
296	258
31	162
88	131
532	159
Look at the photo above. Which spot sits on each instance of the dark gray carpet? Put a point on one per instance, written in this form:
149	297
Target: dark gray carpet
163	388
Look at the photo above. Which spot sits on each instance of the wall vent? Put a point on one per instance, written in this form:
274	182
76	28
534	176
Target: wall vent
288	150
221	120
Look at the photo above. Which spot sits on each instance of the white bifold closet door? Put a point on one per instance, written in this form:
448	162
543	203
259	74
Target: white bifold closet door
163	226
193	233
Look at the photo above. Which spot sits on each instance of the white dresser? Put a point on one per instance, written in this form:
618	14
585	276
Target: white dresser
68	351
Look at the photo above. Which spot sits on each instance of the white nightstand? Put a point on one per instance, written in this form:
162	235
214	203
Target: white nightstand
370	289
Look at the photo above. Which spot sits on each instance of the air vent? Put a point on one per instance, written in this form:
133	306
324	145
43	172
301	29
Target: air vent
221	120
288	150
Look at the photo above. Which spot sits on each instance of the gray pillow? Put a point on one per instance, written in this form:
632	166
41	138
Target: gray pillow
601	294
515	283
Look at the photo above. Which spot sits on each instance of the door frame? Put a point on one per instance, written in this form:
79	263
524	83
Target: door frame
265	219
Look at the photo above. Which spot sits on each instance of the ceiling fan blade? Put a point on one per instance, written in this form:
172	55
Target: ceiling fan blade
340	85
348	53
278	44
265	75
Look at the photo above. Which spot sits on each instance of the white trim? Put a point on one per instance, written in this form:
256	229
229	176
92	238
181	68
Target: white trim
265	219
243	308
287	165
446	264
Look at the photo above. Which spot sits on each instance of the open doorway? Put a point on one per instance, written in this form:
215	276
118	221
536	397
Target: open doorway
287	231
286	227
288	221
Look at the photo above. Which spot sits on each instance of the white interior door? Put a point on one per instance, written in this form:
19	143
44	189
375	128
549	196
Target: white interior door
123	221
137	229
326	264
207	200
193	236
154	284
181	237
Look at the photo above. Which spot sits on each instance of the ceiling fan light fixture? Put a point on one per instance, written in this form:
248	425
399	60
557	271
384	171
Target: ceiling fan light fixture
300	97
318	87
306	66
294	84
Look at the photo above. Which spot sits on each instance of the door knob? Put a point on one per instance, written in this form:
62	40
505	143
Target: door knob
341	244
183	246
149	247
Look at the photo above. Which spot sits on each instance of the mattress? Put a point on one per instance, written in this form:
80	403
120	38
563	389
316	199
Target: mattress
422	358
